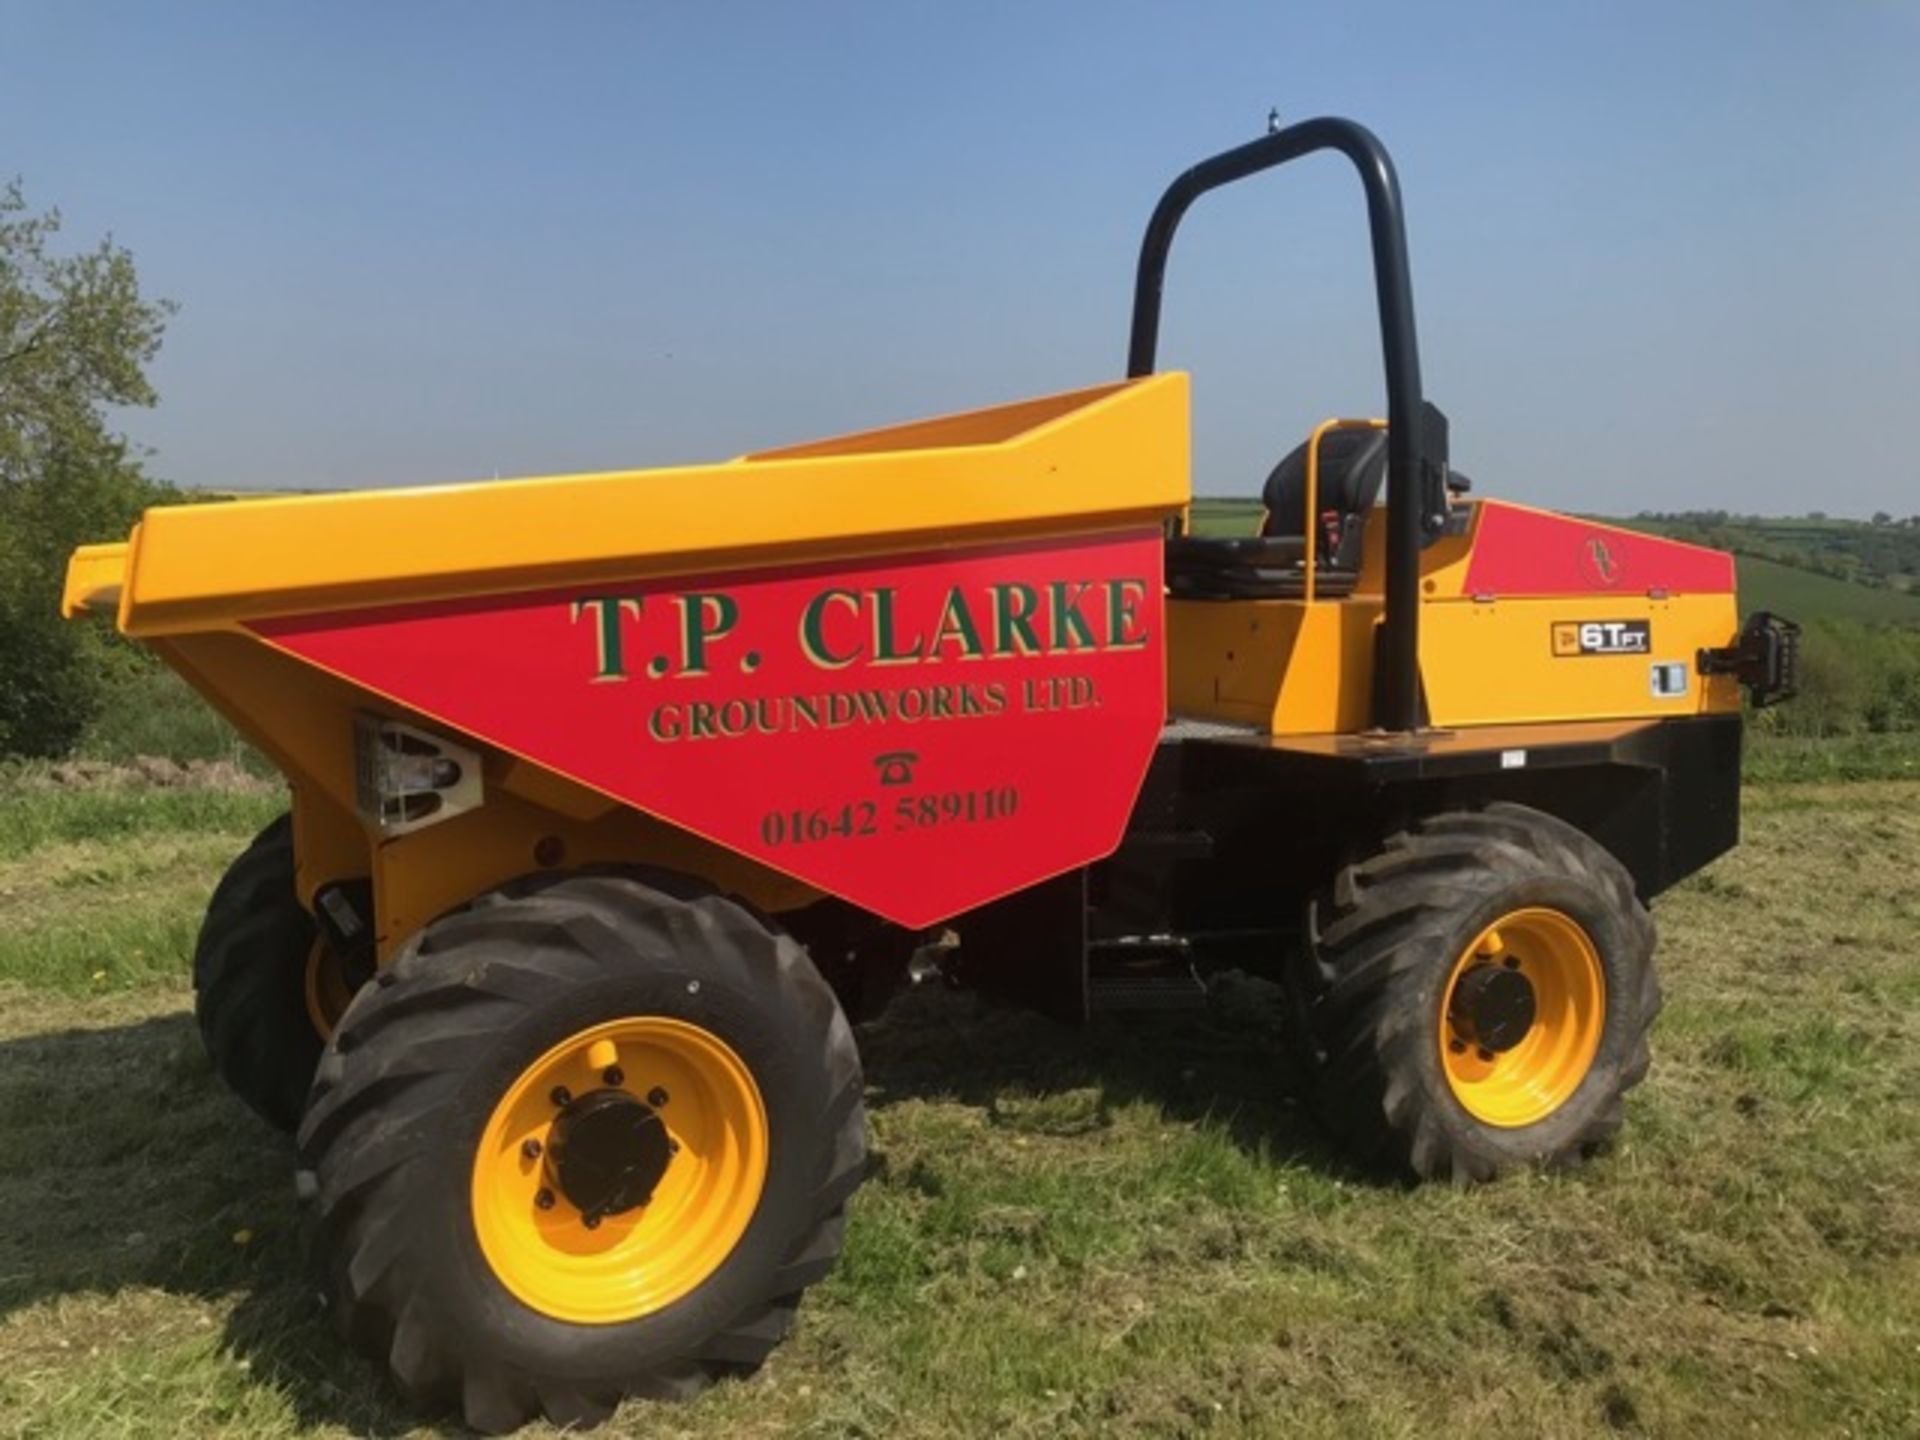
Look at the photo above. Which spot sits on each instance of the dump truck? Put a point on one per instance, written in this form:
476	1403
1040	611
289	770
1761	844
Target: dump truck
617	799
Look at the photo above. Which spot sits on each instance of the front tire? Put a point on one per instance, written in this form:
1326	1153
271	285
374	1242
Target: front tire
1476	996
589	1137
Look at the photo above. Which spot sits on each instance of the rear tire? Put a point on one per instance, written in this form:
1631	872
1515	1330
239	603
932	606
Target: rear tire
415	1186
1395	1076
249	980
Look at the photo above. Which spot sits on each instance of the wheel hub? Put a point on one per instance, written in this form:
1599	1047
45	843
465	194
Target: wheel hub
619	1169
1493	1008
1524	1011
607	1153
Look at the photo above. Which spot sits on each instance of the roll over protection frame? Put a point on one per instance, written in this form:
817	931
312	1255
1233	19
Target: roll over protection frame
1417	431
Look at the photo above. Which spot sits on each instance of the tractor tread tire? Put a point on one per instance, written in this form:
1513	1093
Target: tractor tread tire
394	1079
249	980
1382	939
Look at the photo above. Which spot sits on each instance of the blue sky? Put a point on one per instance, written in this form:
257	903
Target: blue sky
1664	255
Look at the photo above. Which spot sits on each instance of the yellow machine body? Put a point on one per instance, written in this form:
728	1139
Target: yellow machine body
204	584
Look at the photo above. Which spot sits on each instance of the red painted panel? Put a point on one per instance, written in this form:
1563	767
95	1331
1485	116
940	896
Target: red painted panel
1533	552
915	735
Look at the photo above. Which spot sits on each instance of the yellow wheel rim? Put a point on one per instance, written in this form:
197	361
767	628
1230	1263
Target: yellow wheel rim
326	989
1509	1079
574	1265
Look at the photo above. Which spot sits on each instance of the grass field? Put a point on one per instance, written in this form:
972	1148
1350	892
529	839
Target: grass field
1128	1232
1225	516
1789	590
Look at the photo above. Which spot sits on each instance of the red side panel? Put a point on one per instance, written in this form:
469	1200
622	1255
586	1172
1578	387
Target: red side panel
1532	552
917	736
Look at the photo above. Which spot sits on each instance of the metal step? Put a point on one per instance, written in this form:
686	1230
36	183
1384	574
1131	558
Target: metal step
1179	728
1176	991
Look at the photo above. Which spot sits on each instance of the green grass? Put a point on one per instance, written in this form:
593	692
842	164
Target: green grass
1770	759
149	710
1805	596
152	711
1126	1232
1225	516
101	882
38	811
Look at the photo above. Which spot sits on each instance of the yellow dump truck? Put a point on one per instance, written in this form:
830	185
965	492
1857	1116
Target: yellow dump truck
615	798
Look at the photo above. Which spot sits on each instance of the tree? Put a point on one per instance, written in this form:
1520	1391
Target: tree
76	336
1881	517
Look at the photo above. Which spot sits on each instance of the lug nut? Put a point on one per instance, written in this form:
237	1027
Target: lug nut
530	1149
657	1097
1486	1055
1513	962
673	1148
592	1222
561	1095
544	1200
613	1075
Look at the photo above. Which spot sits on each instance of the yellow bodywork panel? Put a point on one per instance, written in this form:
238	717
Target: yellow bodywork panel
1295	668
94	576
1091	460
1501	661
1288	666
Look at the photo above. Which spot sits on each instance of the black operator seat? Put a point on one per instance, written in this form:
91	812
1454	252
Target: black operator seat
1272	564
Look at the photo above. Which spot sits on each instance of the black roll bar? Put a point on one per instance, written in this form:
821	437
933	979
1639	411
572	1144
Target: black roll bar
1416	434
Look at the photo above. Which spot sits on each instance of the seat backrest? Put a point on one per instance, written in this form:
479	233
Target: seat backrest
1353	464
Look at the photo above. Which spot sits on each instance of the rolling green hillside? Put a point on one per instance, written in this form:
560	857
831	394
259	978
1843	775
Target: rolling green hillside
1225	515
1803	595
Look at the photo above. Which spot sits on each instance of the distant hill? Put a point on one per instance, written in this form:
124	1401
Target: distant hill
1811	568
1225	515
1804	595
